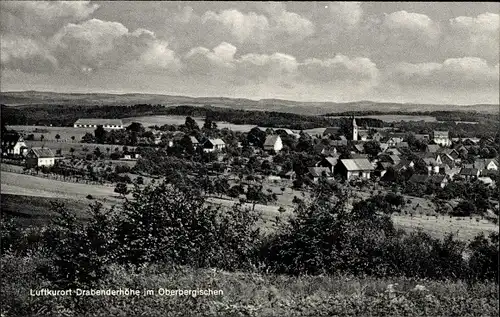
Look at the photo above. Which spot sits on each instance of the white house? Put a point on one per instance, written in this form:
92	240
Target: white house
13	144
212	145
442	138
40	157
111	124
361	168
273	143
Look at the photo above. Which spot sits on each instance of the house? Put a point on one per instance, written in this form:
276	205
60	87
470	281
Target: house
403	165
38	157
359	148
469	173
432	148
447	159
13	144
384	146
363	135
328	162
352	168
288	175
442	138
402	144
440	180
393	151
131	155
194	141
287	132
324	149
381	168
486	180
112	124
315	173
212	145
422	137
394	141
273	143
486	164
377	136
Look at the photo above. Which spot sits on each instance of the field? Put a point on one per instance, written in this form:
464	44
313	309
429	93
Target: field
398	118
49	133
147	121
75	195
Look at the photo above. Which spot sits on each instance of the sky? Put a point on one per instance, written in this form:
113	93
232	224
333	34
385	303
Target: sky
435	52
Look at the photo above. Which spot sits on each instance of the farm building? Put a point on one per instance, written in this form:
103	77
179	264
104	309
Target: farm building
212	145
328	162
469	173
13	144
114	124
38	157
315	173
359	167
273	143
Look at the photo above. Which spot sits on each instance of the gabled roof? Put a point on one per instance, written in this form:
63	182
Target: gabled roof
393	151
94	121
395	158
193	140
216	141
318	171
42	152
359	147
271	140
433	148
469	171
420	136
359	164
402	144
402	164
332	160
441	134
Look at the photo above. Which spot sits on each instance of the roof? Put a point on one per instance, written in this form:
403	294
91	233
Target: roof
395	158
469	171
359	147
393	151
216	141
402	164
360	164
271	140
332	160
94	121
363	132
433	148
402	144
193	139
441	134
318	171
430	161
419	136
42	152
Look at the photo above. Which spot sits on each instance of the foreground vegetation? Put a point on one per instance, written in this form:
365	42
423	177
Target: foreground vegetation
246	294
329	259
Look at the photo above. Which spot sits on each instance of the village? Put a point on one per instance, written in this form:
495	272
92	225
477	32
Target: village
268	166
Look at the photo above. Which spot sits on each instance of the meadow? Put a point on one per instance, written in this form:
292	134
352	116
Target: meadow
75	195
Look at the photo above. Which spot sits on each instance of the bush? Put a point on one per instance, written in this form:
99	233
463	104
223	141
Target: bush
90	197
483	261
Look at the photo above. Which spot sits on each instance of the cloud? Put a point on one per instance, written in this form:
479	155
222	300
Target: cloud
202	61
407	26
96	44
257	67
243	27
466	73
476	36
339	69
258	28
345	13
35	17
24	54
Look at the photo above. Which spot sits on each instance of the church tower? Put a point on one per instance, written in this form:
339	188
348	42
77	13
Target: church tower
354	130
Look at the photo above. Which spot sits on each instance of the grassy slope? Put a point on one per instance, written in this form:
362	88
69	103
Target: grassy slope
246	294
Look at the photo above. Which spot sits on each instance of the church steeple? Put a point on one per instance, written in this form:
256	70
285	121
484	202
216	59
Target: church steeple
354	129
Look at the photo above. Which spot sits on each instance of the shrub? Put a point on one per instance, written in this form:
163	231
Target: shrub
90	197
483	261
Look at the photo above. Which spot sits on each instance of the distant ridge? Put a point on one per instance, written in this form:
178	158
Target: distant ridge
20	98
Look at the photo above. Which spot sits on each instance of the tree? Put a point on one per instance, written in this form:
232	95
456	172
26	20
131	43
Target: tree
42	137
372	148
100	134
88	138
191	124
135	127
121	189
73	138
72	151
57	137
